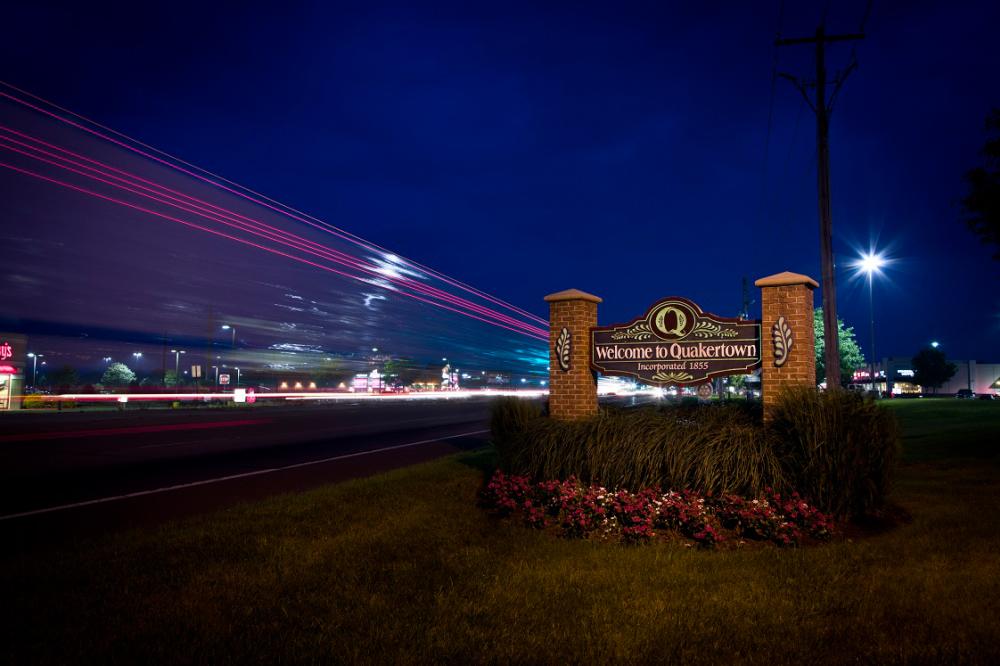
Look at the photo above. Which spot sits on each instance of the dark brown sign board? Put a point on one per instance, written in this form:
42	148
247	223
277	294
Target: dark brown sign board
676	343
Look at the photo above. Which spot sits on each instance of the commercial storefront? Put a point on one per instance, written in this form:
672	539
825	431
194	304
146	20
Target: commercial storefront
977	376
13	358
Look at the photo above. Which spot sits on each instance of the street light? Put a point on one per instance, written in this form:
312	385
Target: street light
227	327
177	364
935	344
870	264
34	367
137	355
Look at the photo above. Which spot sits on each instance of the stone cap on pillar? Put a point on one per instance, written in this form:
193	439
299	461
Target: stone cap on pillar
785	279
573	295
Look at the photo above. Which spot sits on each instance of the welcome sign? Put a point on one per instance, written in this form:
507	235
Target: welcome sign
675	342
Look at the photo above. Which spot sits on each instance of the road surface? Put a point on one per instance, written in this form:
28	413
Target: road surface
67	475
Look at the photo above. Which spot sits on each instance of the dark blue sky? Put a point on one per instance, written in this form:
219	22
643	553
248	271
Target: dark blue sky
617	148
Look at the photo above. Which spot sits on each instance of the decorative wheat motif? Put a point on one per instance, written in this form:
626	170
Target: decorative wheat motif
667	377
704	329
563	344
781	333
640	331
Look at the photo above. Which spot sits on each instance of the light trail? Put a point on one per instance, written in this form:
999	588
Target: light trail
294	214
244	223
269	233
300	395
244	241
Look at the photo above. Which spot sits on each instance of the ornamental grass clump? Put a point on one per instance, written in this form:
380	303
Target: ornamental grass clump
838	448
713	449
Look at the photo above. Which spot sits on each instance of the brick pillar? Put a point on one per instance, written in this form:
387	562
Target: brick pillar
572	384
786	314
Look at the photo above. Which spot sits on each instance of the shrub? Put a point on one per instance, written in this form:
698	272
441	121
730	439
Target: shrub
714	449
837	448
508	421
35	401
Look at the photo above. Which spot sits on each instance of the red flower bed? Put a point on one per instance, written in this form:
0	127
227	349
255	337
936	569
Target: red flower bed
576	510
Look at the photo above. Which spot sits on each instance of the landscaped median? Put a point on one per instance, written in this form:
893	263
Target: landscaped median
405	567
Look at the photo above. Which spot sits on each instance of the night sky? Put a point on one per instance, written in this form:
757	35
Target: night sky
622	149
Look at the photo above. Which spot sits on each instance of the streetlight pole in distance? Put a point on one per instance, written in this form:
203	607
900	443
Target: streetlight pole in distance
177	364
870	264
228	327
34	367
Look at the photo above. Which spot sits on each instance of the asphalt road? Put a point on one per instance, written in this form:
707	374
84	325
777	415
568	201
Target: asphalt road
67	475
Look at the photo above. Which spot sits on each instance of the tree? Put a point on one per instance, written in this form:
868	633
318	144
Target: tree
65	377
981	206
931	369
118	374
851	357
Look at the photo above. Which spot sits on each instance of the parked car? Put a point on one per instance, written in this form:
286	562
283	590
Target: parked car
987	396
965	394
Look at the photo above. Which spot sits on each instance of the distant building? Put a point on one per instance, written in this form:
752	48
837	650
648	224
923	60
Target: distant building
13	364
896	375
368	382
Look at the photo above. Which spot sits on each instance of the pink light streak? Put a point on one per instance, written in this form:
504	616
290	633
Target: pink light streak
301	217
255	245
242	222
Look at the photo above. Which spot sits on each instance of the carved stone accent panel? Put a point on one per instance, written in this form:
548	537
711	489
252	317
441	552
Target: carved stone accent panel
563	348
781	335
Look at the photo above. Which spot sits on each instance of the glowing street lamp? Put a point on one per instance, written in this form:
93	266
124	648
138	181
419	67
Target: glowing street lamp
871	263
34	366
177	363
935	344
227	327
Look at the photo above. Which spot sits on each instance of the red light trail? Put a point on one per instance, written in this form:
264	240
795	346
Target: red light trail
295	215
252	244
241	222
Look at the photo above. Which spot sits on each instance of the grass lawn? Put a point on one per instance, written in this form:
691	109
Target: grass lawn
403	568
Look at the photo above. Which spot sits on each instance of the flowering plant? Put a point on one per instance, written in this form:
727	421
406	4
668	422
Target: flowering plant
574	509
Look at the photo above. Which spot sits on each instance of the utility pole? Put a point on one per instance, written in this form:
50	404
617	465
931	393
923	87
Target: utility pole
747	301
163	362
822	109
